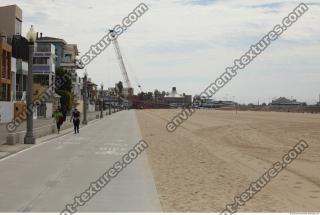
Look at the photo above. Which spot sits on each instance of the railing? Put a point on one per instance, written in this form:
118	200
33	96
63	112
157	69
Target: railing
4	72
44	49
41	68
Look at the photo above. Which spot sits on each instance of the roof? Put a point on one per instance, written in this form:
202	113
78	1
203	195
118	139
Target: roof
51	40
174	94
72	46
285	101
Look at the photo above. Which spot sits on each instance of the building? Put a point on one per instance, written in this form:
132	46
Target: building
5	70
11	27
210	103
174	99
92	90
58	47
66	59
69	63
43	69
44	66
127	92
282	101
10	20
20	56
6	106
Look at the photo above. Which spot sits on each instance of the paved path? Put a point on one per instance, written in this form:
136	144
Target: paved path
48	176
37	124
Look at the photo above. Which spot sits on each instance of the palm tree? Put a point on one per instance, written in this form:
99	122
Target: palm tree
156	95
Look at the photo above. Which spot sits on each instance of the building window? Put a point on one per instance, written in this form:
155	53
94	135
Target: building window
41	79
5	92
67	57
40	60
4	65
18	27
8	65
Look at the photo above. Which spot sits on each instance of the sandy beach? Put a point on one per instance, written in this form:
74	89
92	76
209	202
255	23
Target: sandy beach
216	155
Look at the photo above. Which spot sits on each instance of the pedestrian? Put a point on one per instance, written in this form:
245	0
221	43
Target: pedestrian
58	116
64	112
76	120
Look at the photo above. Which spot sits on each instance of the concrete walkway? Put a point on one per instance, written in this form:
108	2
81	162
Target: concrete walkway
49	175
37	124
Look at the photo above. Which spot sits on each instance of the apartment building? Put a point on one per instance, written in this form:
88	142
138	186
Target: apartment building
69	63
43	67
10	20
11	27
20	56
5	70
66	59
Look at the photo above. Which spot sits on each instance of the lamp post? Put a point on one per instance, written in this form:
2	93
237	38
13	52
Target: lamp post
85	99
101	102
29	137
235	104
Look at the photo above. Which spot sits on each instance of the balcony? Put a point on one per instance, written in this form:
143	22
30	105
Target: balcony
43	69
45	49
22	67
67	62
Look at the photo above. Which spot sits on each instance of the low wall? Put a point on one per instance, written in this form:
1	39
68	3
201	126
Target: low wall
18	137
91	108
49	110
6	112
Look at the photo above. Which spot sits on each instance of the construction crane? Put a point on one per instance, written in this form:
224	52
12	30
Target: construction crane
121	63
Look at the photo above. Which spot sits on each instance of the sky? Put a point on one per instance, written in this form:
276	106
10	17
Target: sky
188	44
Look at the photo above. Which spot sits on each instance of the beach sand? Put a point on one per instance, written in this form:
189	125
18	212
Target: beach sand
216	155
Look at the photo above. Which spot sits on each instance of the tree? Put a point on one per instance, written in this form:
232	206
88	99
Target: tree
149	96
66	99
63	80
119	88
141	96
64	88
156	94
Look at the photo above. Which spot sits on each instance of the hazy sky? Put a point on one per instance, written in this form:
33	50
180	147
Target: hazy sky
189	43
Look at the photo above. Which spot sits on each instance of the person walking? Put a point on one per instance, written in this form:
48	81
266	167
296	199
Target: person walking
64	113
58	116
76	120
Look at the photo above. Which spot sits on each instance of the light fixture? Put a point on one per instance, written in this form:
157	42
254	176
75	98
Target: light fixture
31	35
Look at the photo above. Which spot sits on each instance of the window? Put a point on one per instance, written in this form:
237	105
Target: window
4	64
5	92
18	27
40	60
41	79
8	65
67	57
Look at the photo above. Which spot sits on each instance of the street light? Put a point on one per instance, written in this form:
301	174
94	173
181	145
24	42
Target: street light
101	102
85	100
29	137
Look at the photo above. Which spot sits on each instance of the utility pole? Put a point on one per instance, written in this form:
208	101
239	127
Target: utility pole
101	102
29	138
85	99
